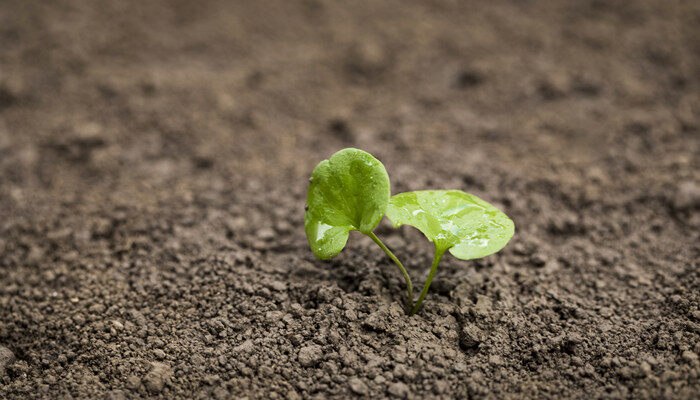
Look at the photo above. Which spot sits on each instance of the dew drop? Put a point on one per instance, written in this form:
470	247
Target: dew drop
322	229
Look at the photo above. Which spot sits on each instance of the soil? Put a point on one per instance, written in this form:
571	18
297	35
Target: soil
154	159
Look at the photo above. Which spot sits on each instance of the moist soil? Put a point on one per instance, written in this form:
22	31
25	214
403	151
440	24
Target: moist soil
154	159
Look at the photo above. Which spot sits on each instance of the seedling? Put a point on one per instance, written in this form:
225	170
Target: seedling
350	191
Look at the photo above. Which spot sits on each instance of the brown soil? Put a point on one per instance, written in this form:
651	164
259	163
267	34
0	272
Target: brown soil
154	158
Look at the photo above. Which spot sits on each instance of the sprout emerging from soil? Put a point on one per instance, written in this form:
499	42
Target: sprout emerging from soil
350	191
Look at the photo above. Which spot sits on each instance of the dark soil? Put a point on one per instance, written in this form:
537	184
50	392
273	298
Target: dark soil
154	158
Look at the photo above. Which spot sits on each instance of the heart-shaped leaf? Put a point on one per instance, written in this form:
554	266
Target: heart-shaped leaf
349	191
466	225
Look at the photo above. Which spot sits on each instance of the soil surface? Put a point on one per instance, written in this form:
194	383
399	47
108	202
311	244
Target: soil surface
154	158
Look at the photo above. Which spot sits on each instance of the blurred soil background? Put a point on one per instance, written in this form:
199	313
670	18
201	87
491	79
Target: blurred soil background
154	158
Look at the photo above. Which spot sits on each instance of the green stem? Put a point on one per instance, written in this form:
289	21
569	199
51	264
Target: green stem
409	285
433	269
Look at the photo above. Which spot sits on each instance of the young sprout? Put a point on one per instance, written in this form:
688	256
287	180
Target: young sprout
350	191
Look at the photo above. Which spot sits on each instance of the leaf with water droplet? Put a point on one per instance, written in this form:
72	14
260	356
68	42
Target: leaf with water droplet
463	223
349	191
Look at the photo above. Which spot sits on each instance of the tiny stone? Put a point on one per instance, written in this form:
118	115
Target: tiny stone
399	354
398	389
155	379
645	368
470	336
351	315
310	355
652	360
687	196
376	322
266	234
274	316
153	384
278	286
689	357
197	359
495	360
6	356
293	395
244	347
625	373
359	387
221	393
133	382
440	387
97	308
483	305
116	395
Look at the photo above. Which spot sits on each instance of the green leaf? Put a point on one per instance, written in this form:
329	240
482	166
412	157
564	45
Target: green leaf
349	191
466	225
